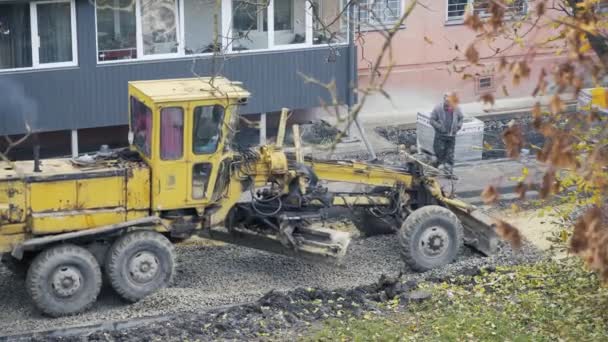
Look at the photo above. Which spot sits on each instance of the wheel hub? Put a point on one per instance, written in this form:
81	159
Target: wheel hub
66	281
434	241
143	267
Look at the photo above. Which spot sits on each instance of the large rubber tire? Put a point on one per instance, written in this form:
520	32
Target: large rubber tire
64	280
430	237
140	263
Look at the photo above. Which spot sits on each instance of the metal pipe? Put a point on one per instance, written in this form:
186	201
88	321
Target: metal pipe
36	143
262	129
74	143
369	147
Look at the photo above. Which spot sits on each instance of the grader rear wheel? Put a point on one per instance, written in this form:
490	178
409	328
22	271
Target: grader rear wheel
140	263
430	237
64	280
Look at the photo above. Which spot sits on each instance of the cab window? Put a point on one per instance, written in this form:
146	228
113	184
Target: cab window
141	121
171	133
207	128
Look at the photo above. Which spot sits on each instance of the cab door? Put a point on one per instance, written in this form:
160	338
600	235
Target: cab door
206	140
169	174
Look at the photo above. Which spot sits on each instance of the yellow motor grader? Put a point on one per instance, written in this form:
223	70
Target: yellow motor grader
67	222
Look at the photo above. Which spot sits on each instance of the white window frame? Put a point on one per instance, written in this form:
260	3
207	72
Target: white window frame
270	22
377	25
226	32
469	8
35	39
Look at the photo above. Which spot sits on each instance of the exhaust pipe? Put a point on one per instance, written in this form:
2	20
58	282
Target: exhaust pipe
36	143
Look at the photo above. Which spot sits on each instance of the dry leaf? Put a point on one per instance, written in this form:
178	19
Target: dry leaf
521	190
549	185
474	22
546	129
497	14
472	54
490	195
509	233
514	141
580	241
505	92
540	8
503	64
428	40
536	111
593	116
487	98
541	86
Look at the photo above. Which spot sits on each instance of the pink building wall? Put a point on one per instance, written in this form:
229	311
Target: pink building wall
422	71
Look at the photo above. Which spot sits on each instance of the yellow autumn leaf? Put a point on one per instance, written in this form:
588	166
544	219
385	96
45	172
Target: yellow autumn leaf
591	27
586	47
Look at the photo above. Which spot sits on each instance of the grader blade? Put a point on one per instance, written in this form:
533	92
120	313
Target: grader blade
479	228
312	243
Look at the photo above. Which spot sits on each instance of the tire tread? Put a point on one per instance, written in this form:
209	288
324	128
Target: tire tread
36	271
116	251
406	234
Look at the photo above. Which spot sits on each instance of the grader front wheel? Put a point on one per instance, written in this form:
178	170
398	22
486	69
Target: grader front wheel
140	263
430	237
64	280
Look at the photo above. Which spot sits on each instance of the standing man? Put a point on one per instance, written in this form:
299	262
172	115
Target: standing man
446	119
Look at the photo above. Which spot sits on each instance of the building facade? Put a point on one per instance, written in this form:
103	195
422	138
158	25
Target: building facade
66	63
429	52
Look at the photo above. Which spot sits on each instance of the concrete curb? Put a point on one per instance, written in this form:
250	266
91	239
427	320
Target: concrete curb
496	114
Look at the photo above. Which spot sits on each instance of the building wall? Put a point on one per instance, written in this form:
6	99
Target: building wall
93	95
425	52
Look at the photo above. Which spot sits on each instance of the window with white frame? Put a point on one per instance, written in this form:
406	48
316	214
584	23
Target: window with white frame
144	29
329	22
40	34
250	22
202	26
133	29
379	12
456	9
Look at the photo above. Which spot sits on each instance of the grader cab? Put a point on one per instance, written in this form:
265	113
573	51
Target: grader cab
65	222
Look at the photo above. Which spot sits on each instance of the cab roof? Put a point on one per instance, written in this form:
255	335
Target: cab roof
191	89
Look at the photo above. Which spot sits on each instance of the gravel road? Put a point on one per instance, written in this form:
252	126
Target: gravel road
216	275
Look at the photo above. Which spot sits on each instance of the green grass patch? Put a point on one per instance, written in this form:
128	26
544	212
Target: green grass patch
549	301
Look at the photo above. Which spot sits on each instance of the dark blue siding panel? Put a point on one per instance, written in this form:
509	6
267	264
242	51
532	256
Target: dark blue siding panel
94	95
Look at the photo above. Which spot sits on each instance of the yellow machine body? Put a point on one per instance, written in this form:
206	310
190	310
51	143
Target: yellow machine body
190	184
66	197
63	198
